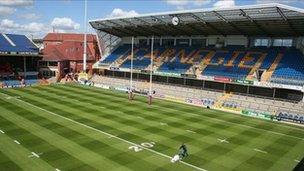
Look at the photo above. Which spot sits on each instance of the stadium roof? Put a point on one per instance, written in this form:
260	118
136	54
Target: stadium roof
17	43
253	20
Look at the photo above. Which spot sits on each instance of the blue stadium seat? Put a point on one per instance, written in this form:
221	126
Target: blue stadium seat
290	70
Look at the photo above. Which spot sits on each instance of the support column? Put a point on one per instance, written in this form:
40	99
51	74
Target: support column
151	70
85	38
224	87
24	67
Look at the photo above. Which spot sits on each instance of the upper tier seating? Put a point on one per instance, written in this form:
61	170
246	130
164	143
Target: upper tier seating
115	54
291	69
230	62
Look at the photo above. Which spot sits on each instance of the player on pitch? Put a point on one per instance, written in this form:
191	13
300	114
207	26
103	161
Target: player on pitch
183	152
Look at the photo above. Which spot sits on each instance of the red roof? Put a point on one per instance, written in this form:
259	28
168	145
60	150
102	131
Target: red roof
69	37
71	51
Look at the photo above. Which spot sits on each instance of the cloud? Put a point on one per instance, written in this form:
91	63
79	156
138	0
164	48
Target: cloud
180	4
17	3
38	29
224	4
64	24
7	24
29	16
177	2
33	27
4	11
279	1
117	12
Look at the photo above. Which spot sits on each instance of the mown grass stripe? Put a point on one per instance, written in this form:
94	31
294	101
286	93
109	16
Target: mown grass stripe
168	105
238	136
83	139
72	148
128	135
18	156
121	139
258	123
183	137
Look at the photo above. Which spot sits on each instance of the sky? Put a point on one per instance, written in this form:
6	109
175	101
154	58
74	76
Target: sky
36	18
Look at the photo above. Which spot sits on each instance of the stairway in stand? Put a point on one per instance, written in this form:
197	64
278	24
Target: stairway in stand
256	66
205	62
123	58
267	74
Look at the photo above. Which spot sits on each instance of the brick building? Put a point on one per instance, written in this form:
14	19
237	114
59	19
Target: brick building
63	53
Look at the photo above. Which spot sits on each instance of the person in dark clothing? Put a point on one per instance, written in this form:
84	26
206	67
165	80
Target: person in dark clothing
183	151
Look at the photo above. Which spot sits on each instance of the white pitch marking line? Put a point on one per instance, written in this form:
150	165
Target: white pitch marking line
193	114
139	117
34	155
112	136
223	140
261	151
190	131
108	134
298	161
1	131
163	124
17	142
57	170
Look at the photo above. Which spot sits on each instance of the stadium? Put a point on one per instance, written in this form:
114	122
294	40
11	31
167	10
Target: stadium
206	89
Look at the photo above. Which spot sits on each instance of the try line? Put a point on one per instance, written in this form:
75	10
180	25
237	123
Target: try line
105	133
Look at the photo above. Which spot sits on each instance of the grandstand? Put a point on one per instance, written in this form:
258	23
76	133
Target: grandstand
226	84
247	59
18	61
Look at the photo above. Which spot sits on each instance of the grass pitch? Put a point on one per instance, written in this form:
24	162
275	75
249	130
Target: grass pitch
72	127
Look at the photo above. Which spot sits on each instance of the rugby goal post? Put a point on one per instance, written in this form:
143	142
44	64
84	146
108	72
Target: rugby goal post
151	72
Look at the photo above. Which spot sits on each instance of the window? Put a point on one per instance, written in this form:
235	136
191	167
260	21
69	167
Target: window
277	42
53	63
182	41
43	63
287	42
143	42
282	42
261	42
200	42
156	42
168	42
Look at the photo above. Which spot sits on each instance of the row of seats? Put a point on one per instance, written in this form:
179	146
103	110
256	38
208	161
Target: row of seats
230	105
290	117
291	68
209	98
229	62
208	101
